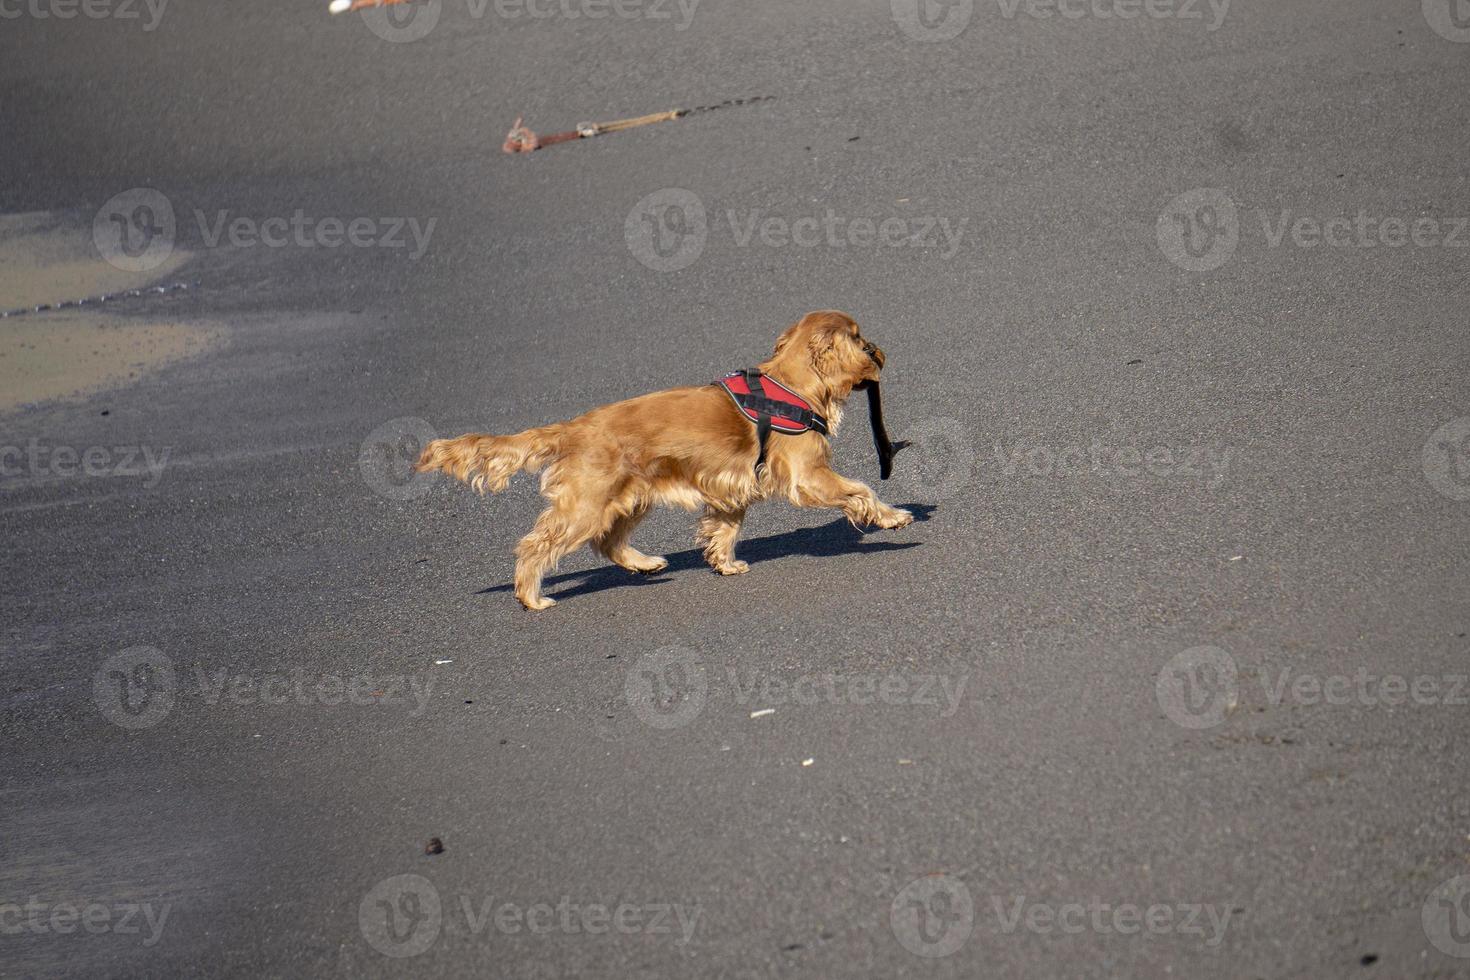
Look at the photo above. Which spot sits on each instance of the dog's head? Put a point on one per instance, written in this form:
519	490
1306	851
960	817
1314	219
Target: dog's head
831	345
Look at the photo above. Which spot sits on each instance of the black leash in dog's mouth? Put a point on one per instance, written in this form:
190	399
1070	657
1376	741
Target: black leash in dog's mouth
886	449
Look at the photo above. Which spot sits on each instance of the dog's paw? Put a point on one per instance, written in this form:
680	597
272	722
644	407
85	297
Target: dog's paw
733	568
537	604
654	565
896	520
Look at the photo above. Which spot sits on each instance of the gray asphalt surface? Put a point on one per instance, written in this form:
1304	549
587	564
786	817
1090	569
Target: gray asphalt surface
1020	756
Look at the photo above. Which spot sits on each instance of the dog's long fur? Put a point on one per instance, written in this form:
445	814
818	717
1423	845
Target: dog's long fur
688	447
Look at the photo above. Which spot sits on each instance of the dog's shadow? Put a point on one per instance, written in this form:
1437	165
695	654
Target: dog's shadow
836	538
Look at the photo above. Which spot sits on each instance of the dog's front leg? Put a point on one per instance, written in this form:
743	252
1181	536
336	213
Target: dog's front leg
820	486
717	530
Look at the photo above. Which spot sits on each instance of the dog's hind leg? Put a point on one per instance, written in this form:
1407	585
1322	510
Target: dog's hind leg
717	530
614	544
561	529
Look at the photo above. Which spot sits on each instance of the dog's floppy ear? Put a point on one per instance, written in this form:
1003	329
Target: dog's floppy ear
785	340
824	353
824	329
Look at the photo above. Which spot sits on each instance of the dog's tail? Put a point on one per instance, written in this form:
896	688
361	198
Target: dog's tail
488	462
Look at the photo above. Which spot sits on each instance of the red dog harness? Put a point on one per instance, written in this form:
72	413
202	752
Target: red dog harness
770	405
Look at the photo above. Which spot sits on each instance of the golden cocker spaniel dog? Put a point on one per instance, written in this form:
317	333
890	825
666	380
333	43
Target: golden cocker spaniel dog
688	447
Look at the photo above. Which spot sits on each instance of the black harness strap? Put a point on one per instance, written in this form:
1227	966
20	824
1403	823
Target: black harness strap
763	433
757	402
796	416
